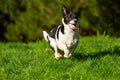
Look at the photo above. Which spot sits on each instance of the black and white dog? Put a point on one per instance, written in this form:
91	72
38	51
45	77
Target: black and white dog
66	36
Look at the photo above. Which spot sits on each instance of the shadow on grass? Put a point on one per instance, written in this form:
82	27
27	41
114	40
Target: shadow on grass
98	55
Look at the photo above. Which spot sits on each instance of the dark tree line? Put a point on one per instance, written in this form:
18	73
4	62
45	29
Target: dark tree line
24	20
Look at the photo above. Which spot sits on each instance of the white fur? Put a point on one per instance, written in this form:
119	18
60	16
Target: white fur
45	34
73	21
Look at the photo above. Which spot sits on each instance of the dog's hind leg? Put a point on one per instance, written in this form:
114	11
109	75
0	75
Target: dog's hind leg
57	54
53	45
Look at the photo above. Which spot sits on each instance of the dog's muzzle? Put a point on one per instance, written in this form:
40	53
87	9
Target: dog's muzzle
72	26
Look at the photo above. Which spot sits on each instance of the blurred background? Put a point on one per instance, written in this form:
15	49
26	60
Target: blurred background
24	20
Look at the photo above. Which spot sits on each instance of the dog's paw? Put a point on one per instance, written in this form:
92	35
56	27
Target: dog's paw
67	56
58	56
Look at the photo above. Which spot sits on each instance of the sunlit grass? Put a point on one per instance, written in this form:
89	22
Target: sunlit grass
96	58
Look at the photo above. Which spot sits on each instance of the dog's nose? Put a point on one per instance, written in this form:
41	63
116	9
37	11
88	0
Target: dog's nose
75	20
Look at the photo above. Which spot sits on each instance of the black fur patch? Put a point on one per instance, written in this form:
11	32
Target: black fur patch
53	32
56	30
48	39
61	28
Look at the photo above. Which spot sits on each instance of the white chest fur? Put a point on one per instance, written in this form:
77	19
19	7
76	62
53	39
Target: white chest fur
71	38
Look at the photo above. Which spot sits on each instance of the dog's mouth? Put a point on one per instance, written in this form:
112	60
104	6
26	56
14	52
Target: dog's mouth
72	26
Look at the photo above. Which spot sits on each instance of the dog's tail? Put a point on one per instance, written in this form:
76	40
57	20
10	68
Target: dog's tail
45	34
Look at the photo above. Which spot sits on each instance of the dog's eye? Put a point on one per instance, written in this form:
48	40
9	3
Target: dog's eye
71	16
67	18
76	16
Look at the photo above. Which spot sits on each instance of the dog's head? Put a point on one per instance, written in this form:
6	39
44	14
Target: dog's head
70	18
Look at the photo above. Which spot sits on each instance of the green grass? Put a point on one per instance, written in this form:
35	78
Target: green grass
96	58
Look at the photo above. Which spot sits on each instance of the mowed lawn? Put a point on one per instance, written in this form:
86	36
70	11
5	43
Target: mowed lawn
96	58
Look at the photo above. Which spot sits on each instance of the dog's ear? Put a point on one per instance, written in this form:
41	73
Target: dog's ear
78	12
64	10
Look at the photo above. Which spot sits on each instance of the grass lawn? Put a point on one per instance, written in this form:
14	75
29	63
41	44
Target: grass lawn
96	58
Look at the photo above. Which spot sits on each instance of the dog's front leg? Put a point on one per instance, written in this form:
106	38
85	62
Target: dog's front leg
66	52
55	49
57	54
71	51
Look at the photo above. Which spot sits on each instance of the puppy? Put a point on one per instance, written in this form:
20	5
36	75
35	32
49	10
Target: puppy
65	37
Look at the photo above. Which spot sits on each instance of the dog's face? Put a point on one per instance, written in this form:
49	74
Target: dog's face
70	18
